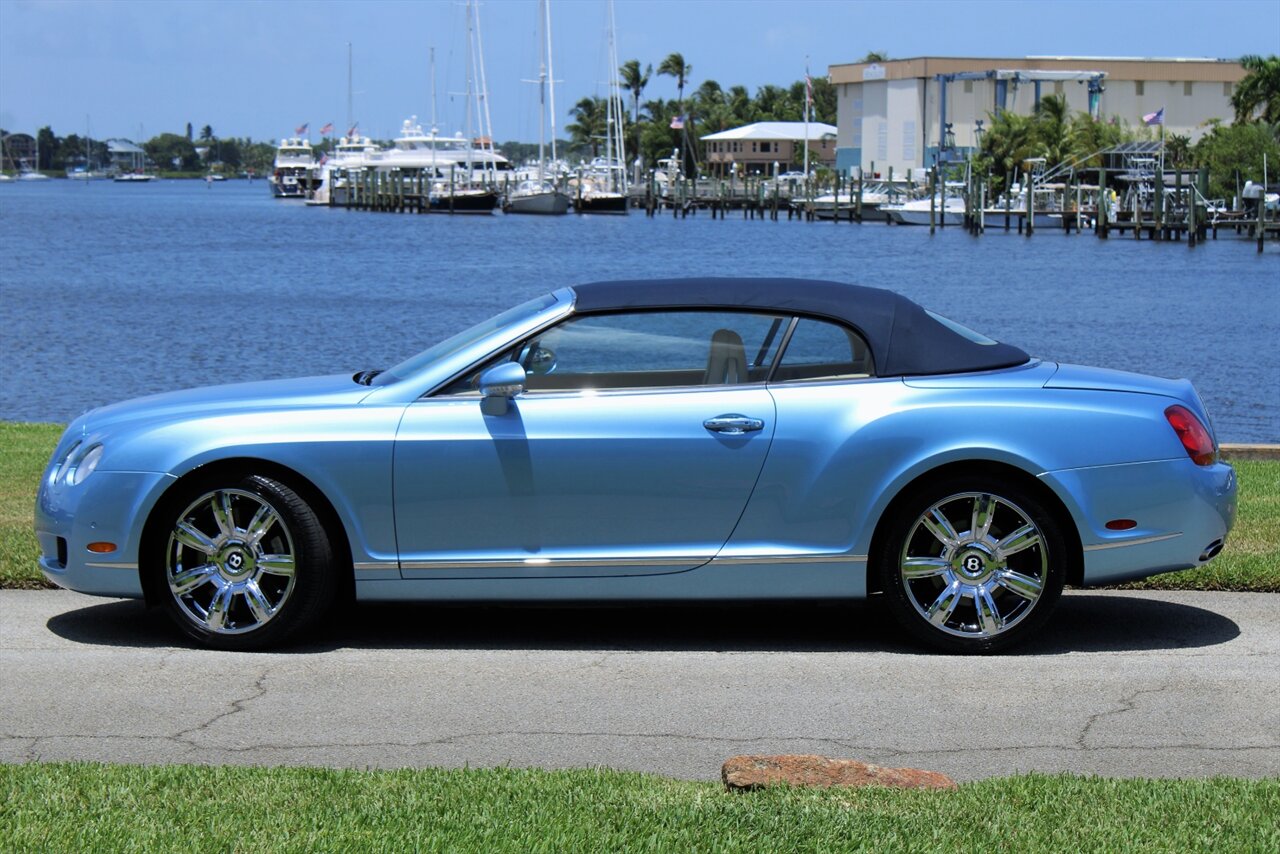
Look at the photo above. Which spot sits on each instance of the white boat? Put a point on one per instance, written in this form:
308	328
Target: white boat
874	197
291	176
948	211
331	176
133	178
26	173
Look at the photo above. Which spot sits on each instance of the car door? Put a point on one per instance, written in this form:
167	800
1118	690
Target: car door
633	449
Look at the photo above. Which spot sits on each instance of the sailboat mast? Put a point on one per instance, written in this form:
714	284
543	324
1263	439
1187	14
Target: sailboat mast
349	110
542	88
807	85
551	77
618	146
486	127
470	84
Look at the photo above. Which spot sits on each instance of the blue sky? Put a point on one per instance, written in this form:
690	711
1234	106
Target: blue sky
260	67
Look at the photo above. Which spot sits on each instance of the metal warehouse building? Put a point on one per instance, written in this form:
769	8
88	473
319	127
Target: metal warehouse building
896	113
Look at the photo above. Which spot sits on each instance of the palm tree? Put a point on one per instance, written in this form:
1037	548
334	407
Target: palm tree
1052	119
675	66
590	123
1259	91
206	132
634	81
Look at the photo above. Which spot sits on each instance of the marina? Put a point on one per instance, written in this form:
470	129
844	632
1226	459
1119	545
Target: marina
185	279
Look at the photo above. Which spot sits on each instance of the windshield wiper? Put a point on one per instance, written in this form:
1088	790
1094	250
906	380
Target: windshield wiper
366	377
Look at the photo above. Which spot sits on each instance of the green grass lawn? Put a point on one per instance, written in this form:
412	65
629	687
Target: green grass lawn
91	807
1251	560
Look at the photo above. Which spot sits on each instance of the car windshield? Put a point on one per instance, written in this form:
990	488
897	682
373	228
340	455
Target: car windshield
463	340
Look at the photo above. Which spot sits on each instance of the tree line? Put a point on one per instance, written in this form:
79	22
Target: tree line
658	127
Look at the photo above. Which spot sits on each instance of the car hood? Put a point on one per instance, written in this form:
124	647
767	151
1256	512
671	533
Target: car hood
303	392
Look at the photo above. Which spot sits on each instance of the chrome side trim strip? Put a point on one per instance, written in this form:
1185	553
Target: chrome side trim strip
808	558
97	565
530	563
570	563
1141	541
376	564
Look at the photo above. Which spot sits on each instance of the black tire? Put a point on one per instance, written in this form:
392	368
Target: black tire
993	585
241	563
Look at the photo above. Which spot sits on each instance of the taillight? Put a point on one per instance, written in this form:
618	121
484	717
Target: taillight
1193	435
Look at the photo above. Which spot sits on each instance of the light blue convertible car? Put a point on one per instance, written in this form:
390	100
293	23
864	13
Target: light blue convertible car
695	439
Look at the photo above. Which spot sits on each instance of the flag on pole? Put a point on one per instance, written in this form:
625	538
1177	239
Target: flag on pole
1156	118
677	122
301	129
327	129
351	131
808	89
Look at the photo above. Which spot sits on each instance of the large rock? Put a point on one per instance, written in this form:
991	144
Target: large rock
753	772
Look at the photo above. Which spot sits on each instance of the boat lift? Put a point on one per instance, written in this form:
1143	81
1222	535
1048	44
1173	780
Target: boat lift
1003	77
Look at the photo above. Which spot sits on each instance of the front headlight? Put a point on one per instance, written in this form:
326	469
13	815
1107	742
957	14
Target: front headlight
85	466
65	465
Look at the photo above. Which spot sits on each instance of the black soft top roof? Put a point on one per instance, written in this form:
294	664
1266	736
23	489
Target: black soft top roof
903	338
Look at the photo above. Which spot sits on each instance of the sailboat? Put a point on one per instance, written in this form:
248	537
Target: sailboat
540	196
466	197
602	187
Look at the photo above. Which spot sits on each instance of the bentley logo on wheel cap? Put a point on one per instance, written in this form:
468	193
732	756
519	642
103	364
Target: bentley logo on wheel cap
973	564
235	560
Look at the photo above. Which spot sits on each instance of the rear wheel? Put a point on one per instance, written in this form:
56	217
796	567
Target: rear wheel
972	564
246	563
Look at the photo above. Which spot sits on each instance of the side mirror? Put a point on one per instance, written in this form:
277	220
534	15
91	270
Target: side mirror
498	385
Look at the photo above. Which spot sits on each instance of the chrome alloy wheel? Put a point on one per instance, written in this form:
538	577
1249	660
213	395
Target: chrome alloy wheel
974	565
230	561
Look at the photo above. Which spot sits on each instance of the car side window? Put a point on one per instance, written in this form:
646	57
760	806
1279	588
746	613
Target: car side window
820	350
649	349
653	349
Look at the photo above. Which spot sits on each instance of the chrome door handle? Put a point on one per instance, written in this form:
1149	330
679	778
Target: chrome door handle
733	425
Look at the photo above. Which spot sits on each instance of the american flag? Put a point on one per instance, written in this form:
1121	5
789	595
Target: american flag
301	129
1156	118
351	131
327	129
677	122
808	89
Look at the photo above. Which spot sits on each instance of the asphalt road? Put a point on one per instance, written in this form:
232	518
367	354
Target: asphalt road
1131	684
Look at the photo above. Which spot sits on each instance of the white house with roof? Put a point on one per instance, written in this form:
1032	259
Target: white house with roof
767	148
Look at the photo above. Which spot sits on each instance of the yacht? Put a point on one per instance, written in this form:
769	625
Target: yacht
331	176
291	177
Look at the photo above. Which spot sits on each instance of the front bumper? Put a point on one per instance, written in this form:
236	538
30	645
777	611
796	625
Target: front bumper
107	507
1183	513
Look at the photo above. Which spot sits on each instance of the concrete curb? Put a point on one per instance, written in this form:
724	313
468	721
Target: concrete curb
1250	452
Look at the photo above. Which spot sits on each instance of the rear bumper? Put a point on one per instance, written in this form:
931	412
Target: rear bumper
1183	513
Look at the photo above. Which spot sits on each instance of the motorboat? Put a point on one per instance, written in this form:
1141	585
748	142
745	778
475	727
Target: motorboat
946	211
291	176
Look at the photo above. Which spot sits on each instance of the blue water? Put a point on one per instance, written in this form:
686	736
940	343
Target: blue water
111	291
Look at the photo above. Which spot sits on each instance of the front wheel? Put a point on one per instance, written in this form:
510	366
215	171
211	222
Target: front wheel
246	563
972	564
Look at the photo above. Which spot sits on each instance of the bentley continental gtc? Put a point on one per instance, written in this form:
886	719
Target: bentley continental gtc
756	440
